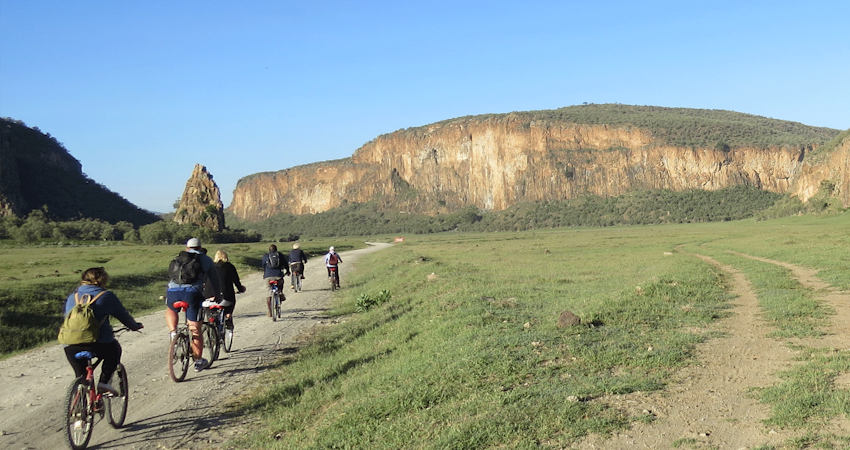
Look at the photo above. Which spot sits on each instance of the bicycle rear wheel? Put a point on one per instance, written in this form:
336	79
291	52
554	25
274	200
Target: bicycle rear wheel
79	418
178	357
228	339
116	406
211	344
275	306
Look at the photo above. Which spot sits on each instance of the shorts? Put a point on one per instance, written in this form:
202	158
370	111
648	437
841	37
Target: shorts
279	283
191	295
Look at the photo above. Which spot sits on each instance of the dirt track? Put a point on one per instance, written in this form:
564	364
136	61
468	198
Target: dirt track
707	404
163	414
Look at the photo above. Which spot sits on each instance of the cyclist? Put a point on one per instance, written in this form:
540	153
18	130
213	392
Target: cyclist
275	267
332	259
108	349
192	293
229	278
297	259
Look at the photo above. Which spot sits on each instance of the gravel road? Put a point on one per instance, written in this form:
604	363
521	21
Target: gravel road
163	414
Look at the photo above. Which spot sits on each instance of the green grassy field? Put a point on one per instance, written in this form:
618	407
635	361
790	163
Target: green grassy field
35	280
458	346
466	352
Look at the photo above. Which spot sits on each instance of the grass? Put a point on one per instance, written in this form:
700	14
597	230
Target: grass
36	280
466	353
451	341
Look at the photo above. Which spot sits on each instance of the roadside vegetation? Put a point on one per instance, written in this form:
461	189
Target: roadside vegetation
465	351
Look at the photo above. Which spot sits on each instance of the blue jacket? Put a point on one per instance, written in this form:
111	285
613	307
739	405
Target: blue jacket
269	272
107	305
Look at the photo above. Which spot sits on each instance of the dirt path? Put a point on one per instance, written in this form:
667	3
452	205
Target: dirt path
706	405
162	414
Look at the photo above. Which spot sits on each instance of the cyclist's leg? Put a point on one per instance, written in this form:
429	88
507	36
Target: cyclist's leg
192	314
110	354
79	366
228	314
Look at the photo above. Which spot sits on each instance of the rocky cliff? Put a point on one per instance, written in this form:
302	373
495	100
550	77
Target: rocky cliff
496	161
200	203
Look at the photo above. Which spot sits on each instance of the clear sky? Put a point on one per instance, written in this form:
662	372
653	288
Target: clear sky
141	91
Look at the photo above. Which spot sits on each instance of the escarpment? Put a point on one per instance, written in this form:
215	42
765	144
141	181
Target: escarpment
494	162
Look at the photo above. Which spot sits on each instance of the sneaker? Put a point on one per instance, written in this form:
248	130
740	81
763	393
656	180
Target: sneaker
302	277
172	335
201	364
292	287
107	388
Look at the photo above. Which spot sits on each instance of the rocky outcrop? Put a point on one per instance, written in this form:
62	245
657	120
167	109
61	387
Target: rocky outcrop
828	170
497	161
200	203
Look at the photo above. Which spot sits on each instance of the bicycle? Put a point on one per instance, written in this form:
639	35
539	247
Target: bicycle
333	278
180	351
214	313
276	299
297	271
84	401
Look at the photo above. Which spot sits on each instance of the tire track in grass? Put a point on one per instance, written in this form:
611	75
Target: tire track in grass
706	405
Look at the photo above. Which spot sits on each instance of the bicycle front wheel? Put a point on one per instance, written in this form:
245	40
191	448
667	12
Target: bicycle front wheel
116	406
178	357
79	412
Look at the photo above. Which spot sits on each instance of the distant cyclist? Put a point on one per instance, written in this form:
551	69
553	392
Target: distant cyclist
297	259
275	267
332	259
106	304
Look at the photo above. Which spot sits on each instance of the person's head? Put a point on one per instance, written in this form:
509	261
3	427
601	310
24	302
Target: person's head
194	243
96	276
272	248
220	255
331	249
296	246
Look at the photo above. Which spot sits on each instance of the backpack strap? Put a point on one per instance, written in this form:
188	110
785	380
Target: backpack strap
80	299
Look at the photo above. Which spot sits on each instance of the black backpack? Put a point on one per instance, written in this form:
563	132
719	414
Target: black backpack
274	260
185	268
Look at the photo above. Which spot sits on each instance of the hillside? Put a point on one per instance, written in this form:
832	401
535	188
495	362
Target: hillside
496	161
36	170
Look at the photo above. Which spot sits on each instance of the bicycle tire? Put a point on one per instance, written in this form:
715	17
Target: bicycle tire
298	283
228	340
178	357
211	344
79	414
116	406
277	306
275	302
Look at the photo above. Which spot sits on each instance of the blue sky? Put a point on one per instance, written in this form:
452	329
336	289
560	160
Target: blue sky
141	91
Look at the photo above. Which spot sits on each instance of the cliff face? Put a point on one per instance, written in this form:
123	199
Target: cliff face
496	162
200	203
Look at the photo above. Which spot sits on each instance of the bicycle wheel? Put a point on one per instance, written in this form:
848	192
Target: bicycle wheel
298	283
275	303
211	344
178	357
277	306
332	279
79	418
116	407
228	339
